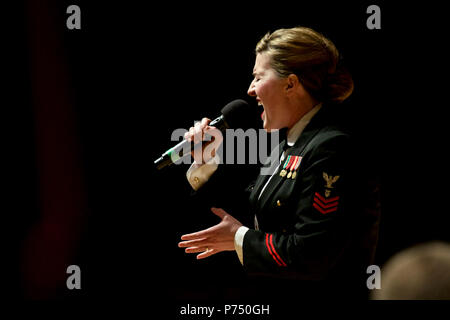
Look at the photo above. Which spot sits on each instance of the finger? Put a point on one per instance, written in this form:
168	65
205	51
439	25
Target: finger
200	234
198	126
195	132
201	127
219	212
198	132
209	134
196	249
207	253
189	243
212	131
205	122
190	134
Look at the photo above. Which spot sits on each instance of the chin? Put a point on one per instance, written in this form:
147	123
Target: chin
270	127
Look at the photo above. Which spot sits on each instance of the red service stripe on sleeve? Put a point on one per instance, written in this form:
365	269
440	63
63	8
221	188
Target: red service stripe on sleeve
325	206
270	251
326	200
322	210
274	251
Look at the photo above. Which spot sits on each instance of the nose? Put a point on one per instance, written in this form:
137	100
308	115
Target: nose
251	90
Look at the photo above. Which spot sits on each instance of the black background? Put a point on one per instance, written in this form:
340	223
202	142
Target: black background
135	72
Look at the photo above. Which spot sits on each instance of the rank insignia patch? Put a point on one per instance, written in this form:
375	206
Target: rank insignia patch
324	205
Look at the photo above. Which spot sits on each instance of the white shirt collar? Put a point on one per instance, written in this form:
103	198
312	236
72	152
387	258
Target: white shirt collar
294	133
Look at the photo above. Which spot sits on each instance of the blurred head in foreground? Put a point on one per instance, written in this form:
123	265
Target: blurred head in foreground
421	272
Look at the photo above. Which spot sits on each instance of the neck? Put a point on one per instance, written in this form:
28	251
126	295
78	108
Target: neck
300	112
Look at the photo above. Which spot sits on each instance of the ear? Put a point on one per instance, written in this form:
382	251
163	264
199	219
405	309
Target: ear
292	83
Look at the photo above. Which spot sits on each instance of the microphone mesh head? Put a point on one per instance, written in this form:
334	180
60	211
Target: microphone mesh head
238	114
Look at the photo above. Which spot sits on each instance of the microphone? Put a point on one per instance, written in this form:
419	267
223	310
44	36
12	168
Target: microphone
236	114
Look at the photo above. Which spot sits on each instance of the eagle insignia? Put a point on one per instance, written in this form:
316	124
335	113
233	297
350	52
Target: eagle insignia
330	180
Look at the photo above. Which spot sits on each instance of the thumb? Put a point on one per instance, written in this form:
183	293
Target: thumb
219	212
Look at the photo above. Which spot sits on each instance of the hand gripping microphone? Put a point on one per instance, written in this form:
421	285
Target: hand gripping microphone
236	114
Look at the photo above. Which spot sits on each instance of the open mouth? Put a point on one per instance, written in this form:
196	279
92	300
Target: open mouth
262	113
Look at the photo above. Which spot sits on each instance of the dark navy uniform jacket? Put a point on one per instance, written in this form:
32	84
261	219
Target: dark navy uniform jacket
319	228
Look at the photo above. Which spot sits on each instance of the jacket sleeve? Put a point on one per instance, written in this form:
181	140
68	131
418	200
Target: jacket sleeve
228	188
198	174
321	227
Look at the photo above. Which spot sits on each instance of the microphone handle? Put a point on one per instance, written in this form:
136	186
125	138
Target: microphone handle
168	158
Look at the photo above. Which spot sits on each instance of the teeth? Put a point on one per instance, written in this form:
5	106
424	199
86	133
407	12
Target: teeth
259	104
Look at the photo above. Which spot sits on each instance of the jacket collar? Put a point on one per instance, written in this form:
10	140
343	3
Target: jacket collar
320	120
295	132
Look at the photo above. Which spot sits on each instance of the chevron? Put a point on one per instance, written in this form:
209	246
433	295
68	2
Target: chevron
325	206
322	210
326	200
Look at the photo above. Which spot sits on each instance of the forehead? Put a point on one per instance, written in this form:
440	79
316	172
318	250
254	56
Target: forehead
262	62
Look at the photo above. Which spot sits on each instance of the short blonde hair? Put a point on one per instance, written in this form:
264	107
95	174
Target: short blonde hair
312	57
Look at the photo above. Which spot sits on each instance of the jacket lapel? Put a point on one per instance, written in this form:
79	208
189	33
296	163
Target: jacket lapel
309	132
262	179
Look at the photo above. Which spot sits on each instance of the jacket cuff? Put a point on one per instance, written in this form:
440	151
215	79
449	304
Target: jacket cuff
198	174
239	242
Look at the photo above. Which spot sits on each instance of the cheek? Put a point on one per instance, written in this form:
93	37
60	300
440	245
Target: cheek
263	90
